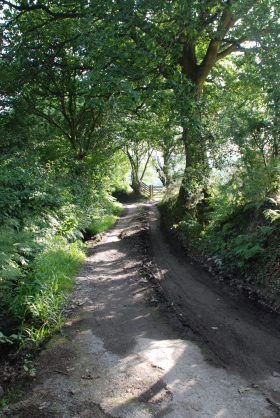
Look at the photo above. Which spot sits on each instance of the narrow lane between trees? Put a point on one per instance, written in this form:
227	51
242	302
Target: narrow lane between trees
148	336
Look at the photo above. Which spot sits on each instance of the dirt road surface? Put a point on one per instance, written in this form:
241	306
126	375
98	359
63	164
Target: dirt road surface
151	335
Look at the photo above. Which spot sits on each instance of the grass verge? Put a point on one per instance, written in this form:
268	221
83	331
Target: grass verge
42	296
104	222
34	309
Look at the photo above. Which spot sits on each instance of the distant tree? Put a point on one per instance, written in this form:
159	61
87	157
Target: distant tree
138	147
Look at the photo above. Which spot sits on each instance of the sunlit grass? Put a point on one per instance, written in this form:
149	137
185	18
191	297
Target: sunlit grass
42	296
59	263
103	223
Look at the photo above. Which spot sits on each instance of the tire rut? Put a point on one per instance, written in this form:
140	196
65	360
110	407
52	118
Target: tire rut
127	351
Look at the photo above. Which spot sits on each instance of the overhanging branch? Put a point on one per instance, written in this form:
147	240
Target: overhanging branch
27	8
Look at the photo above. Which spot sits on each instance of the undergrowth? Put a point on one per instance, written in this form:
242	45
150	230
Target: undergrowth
248	242
239	236
127	195
46	213
5	400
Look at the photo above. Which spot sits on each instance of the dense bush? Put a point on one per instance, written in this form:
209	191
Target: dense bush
45	212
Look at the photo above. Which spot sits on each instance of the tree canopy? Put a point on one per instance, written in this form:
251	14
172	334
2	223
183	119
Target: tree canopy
93	89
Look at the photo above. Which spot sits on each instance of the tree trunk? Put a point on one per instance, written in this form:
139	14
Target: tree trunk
193	186
184	194
135	181
166	169
136	187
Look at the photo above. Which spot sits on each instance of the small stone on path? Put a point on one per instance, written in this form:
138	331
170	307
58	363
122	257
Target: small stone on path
275	374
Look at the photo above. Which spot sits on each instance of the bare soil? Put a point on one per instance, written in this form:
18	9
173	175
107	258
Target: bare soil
150	334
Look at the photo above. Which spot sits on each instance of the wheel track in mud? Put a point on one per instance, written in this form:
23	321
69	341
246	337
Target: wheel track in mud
242	337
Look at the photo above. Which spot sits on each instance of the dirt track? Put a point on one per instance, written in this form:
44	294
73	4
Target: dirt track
151	335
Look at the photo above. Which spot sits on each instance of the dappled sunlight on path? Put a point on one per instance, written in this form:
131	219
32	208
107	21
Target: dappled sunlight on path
123	358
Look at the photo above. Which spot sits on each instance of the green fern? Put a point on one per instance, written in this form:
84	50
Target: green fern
271	214
253	252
